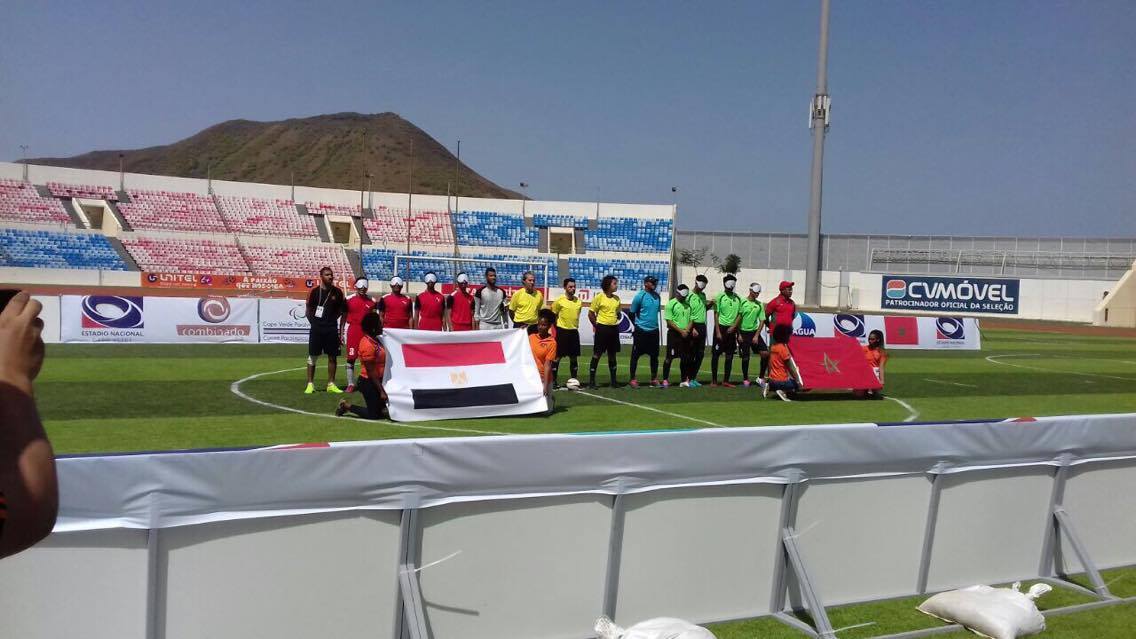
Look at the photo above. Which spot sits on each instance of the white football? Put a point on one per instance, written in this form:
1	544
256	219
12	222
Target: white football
572	384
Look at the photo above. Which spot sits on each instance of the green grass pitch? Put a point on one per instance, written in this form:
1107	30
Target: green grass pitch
114	397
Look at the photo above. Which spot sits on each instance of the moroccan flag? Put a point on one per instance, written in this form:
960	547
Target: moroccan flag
901	330
436	375
832	363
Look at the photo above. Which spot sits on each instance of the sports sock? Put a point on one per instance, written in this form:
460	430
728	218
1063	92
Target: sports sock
350	366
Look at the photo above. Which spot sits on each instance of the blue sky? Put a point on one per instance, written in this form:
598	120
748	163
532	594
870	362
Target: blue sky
959	117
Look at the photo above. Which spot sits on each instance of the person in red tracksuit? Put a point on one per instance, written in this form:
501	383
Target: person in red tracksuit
459	305
359	305
430	307
396	309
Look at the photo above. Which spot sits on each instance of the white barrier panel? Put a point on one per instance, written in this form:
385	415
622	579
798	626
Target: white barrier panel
282	321
535	536
50	317
157	320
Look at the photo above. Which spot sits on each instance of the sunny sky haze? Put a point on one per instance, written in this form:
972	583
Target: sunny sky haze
959	117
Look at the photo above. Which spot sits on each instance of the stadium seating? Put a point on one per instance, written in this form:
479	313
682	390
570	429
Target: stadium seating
426	227
186	255
173	211
20	202
296	259
544	220
322	208
630	235
59	189
255	216
47	249
379	266
589	272
489	228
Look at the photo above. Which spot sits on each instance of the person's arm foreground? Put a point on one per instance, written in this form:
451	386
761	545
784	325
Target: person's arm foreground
27	462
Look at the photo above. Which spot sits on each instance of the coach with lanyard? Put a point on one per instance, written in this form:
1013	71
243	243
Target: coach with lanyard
326	304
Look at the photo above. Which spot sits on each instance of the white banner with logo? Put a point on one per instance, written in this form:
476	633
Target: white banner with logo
129	318
282	321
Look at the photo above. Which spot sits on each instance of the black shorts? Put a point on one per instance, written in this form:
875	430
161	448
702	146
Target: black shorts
323	343
567	342
645	343
607	339
746	342
678	347
698	346
727	344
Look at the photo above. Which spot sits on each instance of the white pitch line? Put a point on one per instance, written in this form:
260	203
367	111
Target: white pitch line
994	359
653	410
943	381
235	388
912	413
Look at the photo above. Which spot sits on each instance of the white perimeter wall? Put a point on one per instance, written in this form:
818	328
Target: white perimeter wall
1057	300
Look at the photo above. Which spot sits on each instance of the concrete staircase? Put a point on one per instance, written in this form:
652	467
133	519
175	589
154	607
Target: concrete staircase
361	230
123	253
356	262
73	213
119	217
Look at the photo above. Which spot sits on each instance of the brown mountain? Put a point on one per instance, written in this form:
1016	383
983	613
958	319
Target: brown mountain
324	150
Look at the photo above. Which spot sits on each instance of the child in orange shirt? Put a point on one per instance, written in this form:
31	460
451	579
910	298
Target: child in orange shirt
877	358
543	345
782	373
370	385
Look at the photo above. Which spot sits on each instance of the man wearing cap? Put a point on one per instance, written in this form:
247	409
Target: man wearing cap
751	316
698	307
396	309
781	310
489	304
358	306
429	306
526	303
726	307
459	305
567	308
680	333
644	312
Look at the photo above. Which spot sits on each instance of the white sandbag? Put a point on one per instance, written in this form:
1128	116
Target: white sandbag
999	613
657	628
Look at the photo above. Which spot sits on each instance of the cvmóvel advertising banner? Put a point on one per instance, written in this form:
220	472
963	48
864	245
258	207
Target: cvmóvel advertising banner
950	294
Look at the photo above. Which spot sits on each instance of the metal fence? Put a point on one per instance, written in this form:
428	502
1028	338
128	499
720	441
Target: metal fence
1044	258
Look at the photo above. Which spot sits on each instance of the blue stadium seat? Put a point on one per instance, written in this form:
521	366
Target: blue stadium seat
630	235
543	220
379	266
489	228
589	272
47	249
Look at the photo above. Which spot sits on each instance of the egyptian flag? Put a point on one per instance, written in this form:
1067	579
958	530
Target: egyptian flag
436	375
833	363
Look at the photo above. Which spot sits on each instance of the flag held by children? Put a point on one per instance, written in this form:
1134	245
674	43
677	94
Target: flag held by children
435	375
832	363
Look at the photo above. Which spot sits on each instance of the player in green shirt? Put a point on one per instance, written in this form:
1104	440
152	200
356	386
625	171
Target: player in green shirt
752	316
726	307
680	334
698	306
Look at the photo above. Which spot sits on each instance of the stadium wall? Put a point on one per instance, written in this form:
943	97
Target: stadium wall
1118	308
535	536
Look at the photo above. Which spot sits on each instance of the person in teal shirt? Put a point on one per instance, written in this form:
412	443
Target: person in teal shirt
726	307
698	307
680	334
751	316
645	337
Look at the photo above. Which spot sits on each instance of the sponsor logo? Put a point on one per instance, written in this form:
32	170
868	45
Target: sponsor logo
207	280
298	313
850	325
150	277
804	326
111	312
896	289
625	325
951	328
310	283
213	309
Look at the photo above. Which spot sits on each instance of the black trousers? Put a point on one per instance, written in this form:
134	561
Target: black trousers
375	408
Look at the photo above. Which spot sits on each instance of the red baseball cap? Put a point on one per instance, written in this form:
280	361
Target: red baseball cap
785	284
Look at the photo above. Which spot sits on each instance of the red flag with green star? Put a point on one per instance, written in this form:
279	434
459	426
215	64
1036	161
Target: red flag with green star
832	363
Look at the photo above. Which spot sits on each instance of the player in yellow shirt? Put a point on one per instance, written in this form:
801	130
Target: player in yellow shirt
567	308
526	303
604	315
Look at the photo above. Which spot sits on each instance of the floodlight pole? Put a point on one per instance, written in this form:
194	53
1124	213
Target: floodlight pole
24	158
410	194
121	173
818	122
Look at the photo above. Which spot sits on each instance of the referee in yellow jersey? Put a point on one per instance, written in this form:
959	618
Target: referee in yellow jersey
604	316
567	308
526	303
